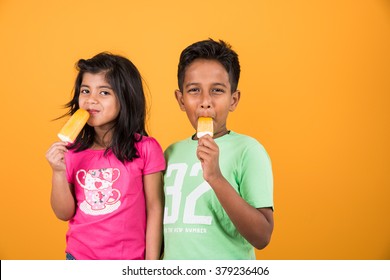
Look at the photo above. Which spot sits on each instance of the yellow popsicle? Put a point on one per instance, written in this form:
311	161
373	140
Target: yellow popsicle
205	126
73	126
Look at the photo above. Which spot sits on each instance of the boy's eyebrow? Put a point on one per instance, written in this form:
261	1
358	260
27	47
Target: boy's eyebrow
219	84
197	84
191	84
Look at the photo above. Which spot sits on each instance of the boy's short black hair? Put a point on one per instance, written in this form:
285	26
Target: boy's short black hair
213	50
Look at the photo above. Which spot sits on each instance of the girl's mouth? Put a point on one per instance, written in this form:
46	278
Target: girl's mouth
92	112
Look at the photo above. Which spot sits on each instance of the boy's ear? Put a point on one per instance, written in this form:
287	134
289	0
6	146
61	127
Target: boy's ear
179	98
234	100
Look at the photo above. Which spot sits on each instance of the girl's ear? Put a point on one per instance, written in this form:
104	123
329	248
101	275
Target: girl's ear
235	98
179	98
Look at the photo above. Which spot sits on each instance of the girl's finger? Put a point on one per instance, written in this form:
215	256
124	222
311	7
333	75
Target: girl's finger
57	146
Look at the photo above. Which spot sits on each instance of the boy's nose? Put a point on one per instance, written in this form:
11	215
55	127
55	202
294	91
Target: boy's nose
206	102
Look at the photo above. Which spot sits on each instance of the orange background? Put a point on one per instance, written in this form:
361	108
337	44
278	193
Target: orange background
315	92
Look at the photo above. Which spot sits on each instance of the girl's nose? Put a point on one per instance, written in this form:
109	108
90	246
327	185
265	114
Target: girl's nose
91	99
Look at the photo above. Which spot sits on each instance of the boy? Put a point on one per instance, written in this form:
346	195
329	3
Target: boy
218	190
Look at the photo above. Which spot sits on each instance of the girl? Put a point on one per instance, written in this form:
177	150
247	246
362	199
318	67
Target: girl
108	183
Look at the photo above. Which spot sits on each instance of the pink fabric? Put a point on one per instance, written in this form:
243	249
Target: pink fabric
110	219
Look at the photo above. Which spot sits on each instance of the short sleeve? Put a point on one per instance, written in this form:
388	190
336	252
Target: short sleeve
152	154
256	185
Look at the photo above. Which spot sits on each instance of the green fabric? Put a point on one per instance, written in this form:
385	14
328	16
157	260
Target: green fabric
195	224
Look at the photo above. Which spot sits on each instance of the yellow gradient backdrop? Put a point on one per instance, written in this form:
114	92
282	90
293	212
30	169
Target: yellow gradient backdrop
315	92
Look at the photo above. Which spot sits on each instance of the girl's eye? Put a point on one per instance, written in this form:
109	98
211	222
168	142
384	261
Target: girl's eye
104	93
84	91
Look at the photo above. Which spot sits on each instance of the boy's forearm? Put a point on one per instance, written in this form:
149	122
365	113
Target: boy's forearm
62	199
250	222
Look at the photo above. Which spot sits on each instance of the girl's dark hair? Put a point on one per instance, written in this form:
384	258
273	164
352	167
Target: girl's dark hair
213	50
126	81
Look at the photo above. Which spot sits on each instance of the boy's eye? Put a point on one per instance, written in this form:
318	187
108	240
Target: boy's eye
193	91
218	90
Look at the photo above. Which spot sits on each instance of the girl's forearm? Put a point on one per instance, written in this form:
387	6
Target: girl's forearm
154	197
153	236
62	199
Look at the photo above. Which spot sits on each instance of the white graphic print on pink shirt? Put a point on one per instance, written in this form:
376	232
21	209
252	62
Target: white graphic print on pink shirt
100	196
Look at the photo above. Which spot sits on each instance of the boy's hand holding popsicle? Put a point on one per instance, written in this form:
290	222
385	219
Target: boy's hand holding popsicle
207	151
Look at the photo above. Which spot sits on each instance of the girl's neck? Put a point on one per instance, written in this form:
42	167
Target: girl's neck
97	145
102	141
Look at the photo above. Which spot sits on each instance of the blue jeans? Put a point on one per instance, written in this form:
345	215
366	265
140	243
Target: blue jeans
69	257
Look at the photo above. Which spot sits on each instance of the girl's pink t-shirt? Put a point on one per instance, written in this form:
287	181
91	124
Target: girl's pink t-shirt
110	218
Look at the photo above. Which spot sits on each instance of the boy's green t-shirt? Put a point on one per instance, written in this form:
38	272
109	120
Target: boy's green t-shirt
195	224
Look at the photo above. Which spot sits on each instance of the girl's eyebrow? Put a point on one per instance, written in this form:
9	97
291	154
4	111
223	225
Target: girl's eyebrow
108	86
100	87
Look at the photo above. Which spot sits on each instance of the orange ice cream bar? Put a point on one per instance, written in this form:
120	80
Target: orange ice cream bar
205	126
74	125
